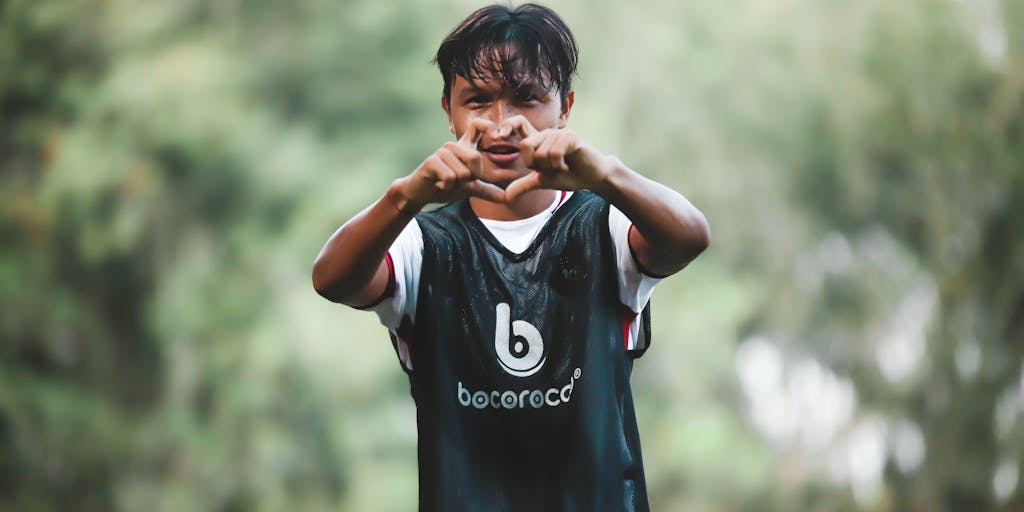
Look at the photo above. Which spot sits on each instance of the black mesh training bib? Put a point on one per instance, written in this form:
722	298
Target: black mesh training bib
521	378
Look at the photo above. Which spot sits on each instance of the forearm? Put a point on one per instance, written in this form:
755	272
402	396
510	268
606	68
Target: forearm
349	267
669	231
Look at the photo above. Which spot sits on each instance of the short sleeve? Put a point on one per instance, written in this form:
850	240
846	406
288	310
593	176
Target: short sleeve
635	287
406	257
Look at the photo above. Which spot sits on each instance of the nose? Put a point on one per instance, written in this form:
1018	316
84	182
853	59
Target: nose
501	110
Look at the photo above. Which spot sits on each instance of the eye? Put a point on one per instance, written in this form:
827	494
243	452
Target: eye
477	100
526	96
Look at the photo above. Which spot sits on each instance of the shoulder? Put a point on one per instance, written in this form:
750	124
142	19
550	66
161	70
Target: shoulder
446	229
445	215
590	199
587	206
410	239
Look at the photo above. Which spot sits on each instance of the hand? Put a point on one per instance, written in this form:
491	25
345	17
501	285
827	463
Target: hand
452	172
558	159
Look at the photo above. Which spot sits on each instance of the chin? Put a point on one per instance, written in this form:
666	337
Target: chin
503	177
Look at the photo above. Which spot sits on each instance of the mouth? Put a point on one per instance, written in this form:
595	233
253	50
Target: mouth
501	153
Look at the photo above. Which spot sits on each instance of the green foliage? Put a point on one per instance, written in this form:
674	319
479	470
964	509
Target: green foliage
170	169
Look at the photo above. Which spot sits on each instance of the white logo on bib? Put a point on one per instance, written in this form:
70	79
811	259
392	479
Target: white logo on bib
518	357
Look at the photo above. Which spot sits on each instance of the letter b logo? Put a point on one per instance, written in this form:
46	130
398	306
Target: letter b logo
520	357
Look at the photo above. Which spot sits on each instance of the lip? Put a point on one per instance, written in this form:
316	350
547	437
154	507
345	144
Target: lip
502	158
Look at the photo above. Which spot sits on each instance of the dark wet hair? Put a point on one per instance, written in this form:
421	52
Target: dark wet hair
524	46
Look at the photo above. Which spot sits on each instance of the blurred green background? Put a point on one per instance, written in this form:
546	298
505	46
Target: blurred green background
853	340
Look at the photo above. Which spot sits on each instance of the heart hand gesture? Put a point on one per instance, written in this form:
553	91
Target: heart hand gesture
452	172
557	158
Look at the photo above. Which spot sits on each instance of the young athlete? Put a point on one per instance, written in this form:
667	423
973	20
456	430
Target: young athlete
515	310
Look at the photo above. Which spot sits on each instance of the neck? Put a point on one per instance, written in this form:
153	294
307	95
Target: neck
527	205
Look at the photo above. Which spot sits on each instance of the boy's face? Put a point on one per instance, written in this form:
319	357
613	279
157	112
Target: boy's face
498	101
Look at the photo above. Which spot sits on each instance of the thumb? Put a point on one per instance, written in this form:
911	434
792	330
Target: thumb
523	185
476	130
484	190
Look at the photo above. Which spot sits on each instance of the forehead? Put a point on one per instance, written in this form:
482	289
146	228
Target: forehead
500	67
496	84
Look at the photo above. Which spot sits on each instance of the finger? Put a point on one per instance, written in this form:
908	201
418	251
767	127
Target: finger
432	167
528	147
571	145
477	128
453	162
485	190
562	145
517	188
566	146
546	156
445	178
469	156
516	124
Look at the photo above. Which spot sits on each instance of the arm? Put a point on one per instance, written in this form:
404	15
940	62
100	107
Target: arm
670	232
350	268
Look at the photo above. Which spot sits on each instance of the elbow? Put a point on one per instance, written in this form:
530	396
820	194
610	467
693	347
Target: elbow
685	247
696	240
702	236
327	285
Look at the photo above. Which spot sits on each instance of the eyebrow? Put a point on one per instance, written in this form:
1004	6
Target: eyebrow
473	90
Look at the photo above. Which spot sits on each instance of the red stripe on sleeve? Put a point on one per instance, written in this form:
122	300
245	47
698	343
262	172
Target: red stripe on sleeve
561	199
389	290
627	316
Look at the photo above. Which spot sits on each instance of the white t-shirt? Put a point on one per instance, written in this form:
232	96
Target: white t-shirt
406	258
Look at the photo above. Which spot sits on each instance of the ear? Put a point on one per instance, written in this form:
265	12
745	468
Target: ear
448	110
563	117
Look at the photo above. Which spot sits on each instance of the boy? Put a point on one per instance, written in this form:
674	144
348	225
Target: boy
514	309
